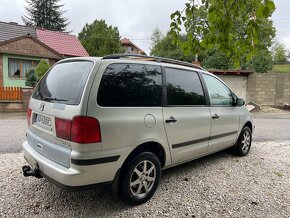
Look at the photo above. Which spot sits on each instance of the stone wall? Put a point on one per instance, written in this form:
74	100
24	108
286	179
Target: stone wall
269	88
237	83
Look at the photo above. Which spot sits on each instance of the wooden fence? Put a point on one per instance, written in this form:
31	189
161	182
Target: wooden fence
10	94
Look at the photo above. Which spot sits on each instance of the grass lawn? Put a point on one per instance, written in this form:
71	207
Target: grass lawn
281	68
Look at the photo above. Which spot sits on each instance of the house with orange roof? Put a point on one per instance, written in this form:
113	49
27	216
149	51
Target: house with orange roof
130	47
22	47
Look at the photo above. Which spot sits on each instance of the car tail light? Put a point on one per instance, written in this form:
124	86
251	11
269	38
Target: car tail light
81	129
28	114
63	128
85	130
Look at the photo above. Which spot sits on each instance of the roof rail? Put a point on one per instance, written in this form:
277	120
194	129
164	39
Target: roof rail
152	58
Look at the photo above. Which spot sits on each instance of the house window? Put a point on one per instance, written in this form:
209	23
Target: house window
17	68
129	50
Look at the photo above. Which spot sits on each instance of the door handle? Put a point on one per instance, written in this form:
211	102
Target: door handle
215	116
171	120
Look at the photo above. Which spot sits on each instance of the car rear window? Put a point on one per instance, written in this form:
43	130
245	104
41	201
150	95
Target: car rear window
64	83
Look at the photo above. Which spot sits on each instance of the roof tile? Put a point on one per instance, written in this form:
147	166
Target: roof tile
12	30
63	43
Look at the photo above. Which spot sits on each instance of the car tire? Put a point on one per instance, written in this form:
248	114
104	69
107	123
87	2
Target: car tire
244	142
139	178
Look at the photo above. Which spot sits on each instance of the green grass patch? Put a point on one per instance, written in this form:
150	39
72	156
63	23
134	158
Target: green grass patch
281	68
278	174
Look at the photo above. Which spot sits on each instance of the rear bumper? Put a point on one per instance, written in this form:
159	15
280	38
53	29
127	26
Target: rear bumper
80	173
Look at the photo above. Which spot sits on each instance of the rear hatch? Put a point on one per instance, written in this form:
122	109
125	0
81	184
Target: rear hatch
57	98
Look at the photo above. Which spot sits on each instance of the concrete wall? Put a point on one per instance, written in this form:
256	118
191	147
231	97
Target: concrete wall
269	88
261	88
237	83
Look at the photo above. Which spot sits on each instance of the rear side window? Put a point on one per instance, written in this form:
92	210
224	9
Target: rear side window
183	88
64	83
124	85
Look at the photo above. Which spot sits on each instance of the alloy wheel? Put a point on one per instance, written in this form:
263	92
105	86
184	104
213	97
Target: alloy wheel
143	178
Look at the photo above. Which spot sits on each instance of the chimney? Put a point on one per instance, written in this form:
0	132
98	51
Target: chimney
197	63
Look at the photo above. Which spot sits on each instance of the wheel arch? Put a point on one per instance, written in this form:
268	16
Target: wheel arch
154	147
249	124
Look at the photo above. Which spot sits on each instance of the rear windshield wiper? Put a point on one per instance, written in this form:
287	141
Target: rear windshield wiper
53	99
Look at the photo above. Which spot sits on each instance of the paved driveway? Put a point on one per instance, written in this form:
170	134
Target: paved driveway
12	132
269	127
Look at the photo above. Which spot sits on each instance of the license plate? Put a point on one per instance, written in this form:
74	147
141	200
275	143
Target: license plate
43	121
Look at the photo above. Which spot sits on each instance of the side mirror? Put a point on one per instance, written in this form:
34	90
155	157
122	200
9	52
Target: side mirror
239	102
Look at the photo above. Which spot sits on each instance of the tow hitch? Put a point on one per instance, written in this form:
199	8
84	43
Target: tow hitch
27	171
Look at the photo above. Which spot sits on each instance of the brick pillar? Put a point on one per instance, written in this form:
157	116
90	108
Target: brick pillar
197	63
26	94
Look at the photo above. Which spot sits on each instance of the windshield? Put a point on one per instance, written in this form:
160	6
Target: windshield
64	83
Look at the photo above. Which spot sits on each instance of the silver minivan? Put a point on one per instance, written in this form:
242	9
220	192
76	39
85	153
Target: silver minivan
121	119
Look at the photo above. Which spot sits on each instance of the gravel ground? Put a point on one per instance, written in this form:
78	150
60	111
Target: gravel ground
220	185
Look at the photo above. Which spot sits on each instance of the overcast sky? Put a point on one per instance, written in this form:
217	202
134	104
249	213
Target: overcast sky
136	19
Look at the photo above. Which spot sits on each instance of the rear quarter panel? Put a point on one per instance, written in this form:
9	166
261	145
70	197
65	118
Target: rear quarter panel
124	127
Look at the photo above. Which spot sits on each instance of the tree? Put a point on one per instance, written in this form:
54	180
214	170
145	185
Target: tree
99	39
47	14
41	69
215	59
163	47
261	62
231	26
279	53
31	79
156	37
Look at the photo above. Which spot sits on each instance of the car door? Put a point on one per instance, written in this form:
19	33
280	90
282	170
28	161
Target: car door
225	116
186	115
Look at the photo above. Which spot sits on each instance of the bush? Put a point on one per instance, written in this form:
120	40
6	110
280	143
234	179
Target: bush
41	69
31	79
215	59
260	63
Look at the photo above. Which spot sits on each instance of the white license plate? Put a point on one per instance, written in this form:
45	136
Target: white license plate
43	121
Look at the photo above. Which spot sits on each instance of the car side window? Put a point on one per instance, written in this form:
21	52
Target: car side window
130	85
183	87
219	94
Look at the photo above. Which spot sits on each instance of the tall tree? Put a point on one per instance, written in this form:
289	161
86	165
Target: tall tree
162	46
231	26
99	39
156	37
47	14
280	53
